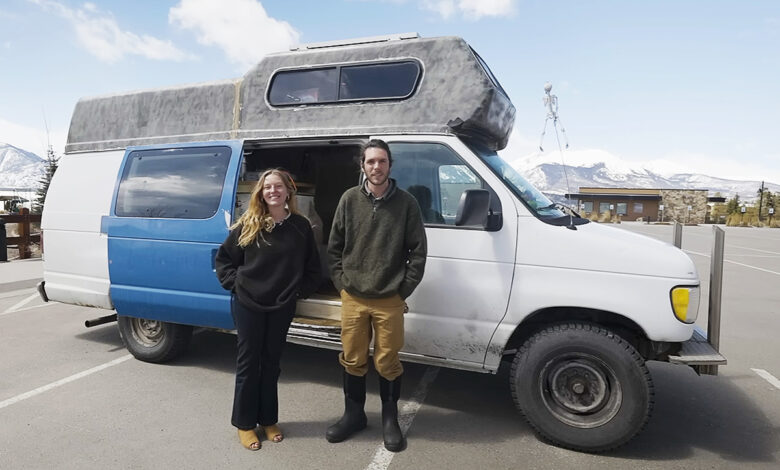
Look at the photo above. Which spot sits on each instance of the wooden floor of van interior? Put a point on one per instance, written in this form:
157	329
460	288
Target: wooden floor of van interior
320	310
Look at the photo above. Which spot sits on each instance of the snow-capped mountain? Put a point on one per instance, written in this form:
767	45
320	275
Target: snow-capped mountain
550	179
23	169
19	168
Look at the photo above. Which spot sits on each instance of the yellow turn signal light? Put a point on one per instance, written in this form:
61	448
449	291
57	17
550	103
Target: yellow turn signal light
685	303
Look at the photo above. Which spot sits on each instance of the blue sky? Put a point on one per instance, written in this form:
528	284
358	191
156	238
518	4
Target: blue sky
673	85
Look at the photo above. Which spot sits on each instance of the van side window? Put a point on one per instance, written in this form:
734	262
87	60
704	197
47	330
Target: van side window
378	81
304	86
375	81
435	175
184	183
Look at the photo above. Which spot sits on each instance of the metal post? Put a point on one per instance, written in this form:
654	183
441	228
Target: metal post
24	233
716	288
678	234
3	242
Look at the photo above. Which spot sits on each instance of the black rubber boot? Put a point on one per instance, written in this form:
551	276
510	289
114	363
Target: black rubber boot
354	418
390	391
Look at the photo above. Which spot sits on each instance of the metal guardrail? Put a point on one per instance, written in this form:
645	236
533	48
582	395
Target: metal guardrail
678	234
702	352
716	291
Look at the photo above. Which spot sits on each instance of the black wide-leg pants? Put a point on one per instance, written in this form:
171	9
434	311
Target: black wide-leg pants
261	339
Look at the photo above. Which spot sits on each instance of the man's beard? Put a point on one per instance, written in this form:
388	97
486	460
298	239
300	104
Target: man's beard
373	180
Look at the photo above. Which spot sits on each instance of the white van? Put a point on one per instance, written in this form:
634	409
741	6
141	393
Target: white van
151	180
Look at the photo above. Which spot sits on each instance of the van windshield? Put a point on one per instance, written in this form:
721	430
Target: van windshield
532	197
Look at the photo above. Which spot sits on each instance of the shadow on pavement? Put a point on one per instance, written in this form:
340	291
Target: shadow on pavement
709	413
104	334
690	413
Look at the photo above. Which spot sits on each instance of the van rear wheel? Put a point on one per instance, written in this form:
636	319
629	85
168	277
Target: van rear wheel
582	387
153	340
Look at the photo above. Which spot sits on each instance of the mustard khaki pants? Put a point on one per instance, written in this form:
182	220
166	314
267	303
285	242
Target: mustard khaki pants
360	318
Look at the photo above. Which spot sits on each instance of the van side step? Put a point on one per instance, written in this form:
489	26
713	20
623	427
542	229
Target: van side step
305	331
319	328
698	353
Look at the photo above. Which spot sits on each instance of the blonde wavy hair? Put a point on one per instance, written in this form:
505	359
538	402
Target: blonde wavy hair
257	218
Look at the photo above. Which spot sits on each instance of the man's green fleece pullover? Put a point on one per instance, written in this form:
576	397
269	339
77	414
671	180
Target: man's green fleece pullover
377	247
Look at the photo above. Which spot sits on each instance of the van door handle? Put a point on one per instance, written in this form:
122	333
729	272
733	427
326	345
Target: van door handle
214	260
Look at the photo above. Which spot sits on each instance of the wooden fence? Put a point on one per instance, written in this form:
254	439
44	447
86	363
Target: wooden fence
25	238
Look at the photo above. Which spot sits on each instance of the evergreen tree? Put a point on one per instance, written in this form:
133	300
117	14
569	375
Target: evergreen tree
732	205
43	184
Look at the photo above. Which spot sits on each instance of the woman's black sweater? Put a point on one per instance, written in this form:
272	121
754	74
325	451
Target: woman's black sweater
268	274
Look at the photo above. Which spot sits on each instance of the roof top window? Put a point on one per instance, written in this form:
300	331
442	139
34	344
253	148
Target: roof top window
377	81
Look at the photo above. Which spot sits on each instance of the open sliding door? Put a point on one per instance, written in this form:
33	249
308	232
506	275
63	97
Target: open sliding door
170	213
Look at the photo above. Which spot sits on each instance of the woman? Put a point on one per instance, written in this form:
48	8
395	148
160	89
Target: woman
268	260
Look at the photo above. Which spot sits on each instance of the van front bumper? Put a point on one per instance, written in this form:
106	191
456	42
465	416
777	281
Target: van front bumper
698	353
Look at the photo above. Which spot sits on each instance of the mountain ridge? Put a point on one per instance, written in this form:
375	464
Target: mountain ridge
19	169
550	178
22	169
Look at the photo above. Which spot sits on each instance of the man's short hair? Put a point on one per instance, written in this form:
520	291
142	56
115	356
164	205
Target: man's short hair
375	144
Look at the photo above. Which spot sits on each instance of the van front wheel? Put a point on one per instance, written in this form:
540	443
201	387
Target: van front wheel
153	340
582	387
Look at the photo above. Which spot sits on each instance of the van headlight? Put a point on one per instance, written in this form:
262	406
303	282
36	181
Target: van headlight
685	303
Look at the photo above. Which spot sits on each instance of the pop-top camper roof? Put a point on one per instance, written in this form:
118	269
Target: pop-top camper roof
406	85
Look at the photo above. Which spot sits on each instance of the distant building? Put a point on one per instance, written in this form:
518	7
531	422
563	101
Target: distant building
13	199
681	205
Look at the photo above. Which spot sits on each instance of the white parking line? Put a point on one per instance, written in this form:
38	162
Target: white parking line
753	267
408	410
64	381
47	304
754	249
768	377
734	262
20	304
15	293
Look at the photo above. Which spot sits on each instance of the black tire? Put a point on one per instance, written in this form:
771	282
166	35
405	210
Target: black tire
153	340
582	387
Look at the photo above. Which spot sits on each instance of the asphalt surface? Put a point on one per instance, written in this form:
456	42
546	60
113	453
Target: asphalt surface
71	397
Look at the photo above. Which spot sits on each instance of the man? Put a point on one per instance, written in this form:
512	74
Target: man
377	252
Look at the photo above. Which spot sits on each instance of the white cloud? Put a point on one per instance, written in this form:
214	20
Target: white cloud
32	139
479	8
241	28
100	34
445	8
470	9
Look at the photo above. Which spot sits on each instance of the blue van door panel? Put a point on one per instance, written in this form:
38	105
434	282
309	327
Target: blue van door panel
171	281
161	267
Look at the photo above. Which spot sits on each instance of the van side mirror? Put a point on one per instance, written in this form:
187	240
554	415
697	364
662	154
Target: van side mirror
473	208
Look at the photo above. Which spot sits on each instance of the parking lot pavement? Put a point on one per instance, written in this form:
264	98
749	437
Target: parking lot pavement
751	298
18	270
72	397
